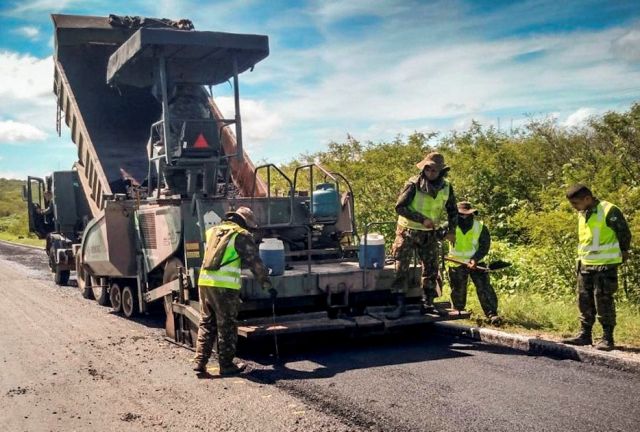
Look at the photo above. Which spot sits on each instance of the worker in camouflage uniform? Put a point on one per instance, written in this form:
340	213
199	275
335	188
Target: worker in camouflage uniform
471	245
425	204
604	240
219	290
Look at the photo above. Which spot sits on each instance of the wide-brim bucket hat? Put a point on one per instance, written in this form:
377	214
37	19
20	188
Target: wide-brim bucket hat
246	214
434	158
465	208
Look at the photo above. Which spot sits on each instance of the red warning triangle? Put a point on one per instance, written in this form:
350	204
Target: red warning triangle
201	142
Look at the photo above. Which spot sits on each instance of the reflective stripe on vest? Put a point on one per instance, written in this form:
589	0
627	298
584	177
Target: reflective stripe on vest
597	242
227	276
427	206
466	243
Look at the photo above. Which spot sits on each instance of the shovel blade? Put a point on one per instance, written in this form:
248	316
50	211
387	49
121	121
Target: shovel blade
498	265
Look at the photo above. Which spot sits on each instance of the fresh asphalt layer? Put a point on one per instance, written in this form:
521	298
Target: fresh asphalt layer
421	380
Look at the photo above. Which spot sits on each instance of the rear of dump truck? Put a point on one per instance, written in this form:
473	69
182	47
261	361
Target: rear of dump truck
144	242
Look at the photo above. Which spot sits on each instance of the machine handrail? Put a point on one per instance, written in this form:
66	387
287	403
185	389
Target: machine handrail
310	167
291	190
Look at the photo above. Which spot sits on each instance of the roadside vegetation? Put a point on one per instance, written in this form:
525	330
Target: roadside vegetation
517	179
13	214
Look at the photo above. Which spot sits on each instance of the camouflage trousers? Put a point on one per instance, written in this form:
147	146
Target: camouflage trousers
459	279
425	244
595	297
219	309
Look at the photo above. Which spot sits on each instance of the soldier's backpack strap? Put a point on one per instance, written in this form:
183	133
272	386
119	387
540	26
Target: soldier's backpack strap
216	246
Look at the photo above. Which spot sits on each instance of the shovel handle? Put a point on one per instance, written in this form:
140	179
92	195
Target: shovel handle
453	260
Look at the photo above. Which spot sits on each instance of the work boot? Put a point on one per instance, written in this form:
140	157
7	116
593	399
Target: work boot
400	309
200	367
495	320
232	369
606	343
583	338
426	306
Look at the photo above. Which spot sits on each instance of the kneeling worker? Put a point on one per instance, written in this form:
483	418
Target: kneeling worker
229	247
471	245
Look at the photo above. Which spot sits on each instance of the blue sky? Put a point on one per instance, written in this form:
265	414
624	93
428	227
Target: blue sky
372	69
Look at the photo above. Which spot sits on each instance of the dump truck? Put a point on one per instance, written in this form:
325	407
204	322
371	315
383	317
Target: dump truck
158	164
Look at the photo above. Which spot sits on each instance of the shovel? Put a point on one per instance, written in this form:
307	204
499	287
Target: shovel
493	266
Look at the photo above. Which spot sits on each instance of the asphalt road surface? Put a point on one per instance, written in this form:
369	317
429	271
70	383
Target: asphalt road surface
67	363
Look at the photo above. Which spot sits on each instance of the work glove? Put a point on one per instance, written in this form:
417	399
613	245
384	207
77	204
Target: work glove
273	293
268	286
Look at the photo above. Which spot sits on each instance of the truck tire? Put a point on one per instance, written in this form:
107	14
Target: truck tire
100	291
81	279
129	301
115	297
61	277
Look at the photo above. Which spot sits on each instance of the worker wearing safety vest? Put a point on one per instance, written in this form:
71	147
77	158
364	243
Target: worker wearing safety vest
471	245
219	289
604	240
426	204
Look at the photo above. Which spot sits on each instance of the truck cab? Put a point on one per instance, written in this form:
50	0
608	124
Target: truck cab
57	212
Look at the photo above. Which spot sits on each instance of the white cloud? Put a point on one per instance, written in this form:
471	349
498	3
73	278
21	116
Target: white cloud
15	132
10	175
627	46
579	117
26	89
369	81
258	123
30	32
24	76
35	6
334	10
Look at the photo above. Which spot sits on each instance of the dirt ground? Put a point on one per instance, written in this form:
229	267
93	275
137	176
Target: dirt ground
69	364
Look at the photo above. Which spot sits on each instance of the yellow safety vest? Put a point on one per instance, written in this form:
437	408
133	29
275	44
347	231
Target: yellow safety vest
427	206
466	243
228	275
597	243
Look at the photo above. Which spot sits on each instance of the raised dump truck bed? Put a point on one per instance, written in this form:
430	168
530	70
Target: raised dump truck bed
110	124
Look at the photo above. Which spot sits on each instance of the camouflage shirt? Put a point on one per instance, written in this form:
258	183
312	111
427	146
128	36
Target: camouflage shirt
432	188
250	258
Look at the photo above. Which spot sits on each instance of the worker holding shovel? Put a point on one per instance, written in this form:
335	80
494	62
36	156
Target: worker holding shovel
471	245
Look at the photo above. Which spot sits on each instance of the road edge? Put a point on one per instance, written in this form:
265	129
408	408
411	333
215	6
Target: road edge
21	245
535	346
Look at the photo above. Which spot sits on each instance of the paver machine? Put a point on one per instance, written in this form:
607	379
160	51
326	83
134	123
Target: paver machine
158	164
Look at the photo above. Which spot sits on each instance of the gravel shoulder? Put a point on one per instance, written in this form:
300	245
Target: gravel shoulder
69	364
